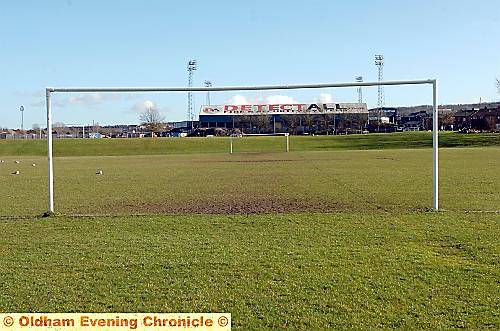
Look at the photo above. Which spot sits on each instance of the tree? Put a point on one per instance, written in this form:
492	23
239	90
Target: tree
152	119
246	121
59	128
309	122
239	122
498	85
326	119
291	122
36	128
447	120
262	122
95	127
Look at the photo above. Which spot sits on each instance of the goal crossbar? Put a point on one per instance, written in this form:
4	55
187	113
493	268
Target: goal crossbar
277	134
433	82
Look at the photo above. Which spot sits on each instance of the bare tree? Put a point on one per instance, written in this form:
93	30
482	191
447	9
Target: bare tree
291	122
95	127
498	85
36	128
152	119
447	120
59	128
309	122
247	122
326	119
262	122
239	122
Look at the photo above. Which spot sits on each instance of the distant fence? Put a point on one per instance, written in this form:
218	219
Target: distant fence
20	136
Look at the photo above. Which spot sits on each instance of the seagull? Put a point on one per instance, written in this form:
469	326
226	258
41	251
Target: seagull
2	161
16	161
33	165
99	172
16	172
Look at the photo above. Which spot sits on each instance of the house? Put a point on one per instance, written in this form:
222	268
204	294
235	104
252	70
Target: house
486	119
386	115
420	119
7	134
462	119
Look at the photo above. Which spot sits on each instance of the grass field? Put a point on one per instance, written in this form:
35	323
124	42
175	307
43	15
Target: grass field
338	233
120	147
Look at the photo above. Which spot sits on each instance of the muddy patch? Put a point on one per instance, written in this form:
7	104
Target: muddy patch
228	206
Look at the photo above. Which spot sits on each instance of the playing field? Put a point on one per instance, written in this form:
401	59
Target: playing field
336	233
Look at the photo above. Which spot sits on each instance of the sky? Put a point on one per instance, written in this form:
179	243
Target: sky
69	43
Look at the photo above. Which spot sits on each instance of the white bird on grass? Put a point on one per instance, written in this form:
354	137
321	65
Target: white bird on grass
16	161
99	172
16	172
33	165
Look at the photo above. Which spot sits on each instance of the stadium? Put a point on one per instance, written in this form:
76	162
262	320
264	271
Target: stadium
284	117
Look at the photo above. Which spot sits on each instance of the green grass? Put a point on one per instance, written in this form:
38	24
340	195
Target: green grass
393	180
326	236
162	146
340	270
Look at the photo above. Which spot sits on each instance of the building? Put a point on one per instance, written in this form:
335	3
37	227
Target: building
486	120
293	118
420	120
384	114
462	118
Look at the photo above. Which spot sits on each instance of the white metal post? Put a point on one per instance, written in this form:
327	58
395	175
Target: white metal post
245	88
287	142
49	149
435	144
230	144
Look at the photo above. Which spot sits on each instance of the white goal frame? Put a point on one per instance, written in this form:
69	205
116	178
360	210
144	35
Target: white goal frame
435	120
286	135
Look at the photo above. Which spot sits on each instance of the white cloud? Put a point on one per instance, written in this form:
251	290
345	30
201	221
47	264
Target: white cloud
271	99
149	104
238	100
324	98
89	99
40	103
34	94
139	107
277	99
83	99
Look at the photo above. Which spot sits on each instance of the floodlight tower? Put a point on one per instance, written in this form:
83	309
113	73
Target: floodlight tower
359	79
208	84
191	67
379	62
21	109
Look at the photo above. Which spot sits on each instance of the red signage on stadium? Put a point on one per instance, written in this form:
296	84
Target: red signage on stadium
275	109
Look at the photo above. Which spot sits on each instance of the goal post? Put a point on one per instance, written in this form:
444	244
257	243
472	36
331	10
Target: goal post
435	124
278	134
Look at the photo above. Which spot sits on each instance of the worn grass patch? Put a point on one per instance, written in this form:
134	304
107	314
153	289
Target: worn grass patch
390	180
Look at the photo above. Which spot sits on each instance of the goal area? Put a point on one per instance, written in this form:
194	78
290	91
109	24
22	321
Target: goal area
236	136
